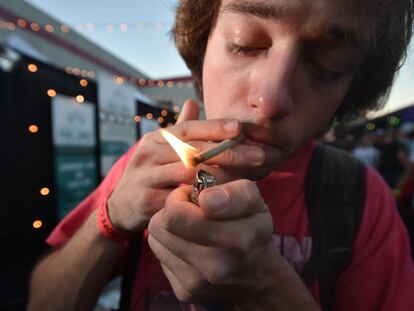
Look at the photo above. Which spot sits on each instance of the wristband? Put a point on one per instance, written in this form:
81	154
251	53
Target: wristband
105	226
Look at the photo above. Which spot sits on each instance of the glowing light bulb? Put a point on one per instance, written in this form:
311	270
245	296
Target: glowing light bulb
45	191
83	82
33	128
32	68
37	224
123	27
119	80
80	99
35	26
22	23
51	92
11	26
49	28
64	28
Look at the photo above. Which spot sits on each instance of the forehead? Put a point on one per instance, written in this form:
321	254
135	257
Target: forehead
334	18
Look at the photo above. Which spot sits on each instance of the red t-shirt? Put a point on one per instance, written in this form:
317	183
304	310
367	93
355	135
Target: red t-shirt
380	276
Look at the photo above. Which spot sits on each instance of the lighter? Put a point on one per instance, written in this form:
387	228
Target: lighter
202	181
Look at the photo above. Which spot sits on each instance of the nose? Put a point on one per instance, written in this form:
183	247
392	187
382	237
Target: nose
270	93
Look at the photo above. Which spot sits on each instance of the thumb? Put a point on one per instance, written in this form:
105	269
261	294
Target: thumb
236	199
190	111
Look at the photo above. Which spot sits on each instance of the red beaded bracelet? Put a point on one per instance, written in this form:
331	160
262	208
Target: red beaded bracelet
106	228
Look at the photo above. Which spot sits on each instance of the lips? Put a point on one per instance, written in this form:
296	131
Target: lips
258	142
259	135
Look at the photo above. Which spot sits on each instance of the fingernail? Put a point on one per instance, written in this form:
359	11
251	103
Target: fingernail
216	200
231	126
256	156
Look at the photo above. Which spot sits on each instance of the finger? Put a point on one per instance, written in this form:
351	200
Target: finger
190	111
151	152
239	155
185	279
204	130
216	295
180	292
182	218
197	264
240	198
195	267
171	175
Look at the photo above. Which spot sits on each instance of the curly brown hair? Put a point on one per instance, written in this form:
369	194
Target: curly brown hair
391	23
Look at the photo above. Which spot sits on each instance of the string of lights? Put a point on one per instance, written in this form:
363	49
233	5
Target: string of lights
104	116
109	27
90	74
21	23
161	83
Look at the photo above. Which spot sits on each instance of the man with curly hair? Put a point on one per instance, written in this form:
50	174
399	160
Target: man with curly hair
280	72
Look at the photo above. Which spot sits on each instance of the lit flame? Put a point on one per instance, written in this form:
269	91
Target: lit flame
184	151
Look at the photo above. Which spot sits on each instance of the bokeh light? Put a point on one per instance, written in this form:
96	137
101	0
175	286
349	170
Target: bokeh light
44	191
80	99
32	68
33	128
37	224
51	92
83	82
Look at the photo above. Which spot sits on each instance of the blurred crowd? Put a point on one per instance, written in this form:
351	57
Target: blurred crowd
391	152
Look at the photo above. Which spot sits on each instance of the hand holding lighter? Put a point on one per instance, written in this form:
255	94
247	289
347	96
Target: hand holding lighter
202	181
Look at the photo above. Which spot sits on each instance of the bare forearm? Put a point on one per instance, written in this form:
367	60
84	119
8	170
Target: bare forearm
72	277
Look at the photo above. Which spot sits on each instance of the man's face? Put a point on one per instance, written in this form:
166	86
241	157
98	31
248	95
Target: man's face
282	67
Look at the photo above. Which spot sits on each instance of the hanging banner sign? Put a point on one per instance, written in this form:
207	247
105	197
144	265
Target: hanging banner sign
117	109
74	142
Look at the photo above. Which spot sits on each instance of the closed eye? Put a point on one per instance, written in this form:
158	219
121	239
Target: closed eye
323	73
243	50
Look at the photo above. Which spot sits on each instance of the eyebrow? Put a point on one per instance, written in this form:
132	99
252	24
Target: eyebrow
278	12
259	9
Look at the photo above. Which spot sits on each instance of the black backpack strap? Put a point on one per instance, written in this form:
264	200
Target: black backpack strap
128	275
335	195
